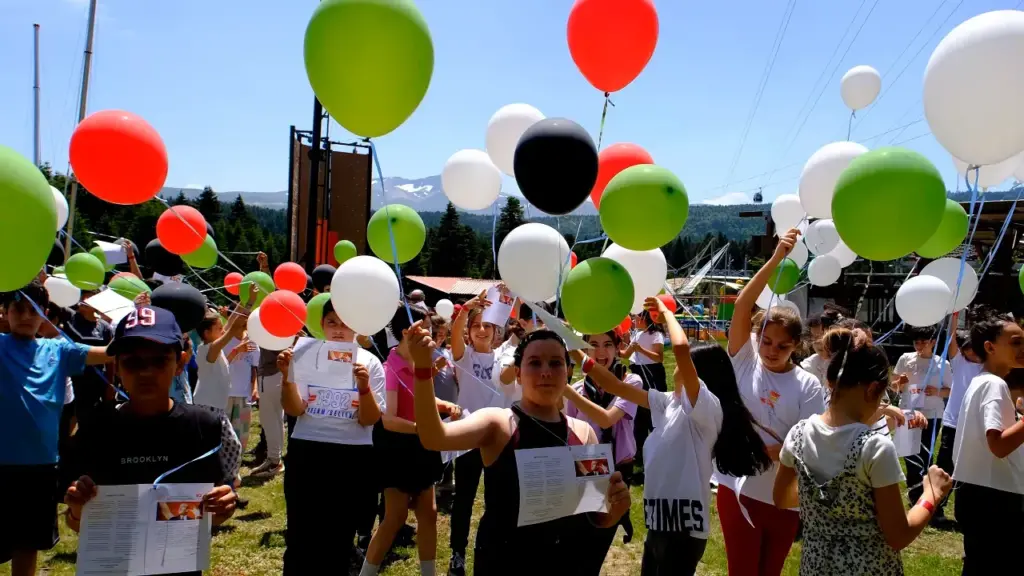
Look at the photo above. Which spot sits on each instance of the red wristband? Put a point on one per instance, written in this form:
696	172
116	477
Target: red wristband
927	505
424	373
588	365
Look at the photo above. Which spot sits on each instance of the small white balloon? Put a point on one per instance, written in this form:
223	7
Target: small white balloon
788	305
843	254
860	86
767	298
822	170
921	301
948	270
62	293
822	237
531	261
824	270
62	208
799	253
787	212
259	335
445	309
648	269
505	129
470	180
993	175
365	294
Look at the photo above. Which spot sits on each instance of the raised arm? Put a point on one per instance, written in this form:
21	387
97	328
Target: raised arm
130	253
459	327
291	401
603	417
739	330
685	375
609	382
954	348
369	411
97	356
233	328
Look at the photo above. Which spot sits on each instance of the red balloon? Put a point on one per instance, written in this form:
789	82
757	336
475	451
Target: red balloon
119	157
181	230
573	259
290	276
611	41
670	303
283	313
615	159
232	282
624	327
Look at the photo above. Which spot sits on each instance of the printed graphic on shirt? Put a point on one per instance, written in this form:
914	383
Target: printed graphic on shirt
674	515
771	399
483	371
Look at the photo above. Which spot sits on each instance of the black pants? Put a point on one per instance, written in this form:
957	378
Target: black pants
604	537
671	554
468	469
992	522
945	460
917	466
653	376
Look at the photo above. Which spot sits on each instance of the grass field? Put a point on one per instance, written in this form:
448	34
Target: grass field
252	542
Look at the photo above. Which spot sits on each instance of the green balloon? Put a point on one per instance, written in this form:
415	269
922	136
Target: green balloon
344	250
644	207
785	277
28	220
98	253
85	271
129	286
315	315
203	257
369	62
264	283
951	232
597	295
1020	279
408	230
888	203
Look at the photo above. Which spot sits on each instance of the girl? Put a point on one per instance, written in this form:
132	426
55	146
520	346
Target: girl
778	394
846	477
817	363
988	454
646	353
502	547
702	418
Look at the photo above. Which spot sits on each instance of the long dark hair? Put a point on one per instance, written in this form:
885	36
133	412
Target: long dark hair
739	450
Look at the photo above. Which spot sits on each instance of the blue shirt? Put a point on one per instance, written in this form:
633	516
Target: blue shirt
33	374
180	392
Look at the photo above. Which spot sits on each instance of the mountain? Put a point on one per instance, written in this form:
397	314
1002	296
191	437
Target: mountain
271	200
427	195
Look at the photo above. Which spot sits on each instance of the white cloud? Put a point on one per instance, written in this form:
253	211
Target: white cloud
729	199
193	186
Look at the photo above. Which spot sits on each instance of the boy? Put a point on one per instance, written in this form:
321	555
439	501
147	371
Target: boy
33	377
243	361
214	383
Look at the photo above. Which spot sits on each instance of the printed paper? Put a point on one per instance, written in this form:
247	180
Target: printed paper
562	481
500	309
325	369
907	441
112	305
114	253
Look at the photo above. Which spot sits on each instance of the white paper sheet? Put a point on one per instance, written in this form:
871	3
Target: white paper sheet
325	369
907	441
562	481
572	340
138	529
500	309
114	253
112	305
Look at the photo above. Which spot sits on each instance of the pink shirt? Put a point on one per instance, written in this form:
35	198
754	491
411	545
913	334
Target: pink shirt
625	443
399	377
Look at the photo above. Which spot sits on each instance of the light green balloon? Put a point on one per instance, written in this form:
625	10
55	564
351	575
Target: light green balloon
129	286
951	232
265	286
785	277
203	257
597	295
85	271
315	315
98	253
28	220
408	230
344	250
644	207
369	62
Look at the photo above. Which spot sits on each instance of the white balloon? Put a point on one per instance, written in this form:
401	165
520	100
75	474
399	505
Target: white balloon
445	309
365	294
972	88
948	270
921	301
822	170
787	212
648	269
1018	172
824	270
62	293
62	208
787	304
992	175
259	335
843	254
470	180
505	129
799	253
860	86
766	298
822	237
532	259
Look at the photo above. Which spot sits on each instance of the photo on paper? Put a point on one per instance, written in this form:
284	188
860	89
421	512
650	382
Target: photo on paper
339	356
180	510
506	298
592	467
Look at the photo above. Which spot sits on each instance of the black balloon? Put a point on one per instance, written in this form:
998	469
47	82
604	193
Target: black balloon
186	303
322	276
56	257
209	230
556	165
162	261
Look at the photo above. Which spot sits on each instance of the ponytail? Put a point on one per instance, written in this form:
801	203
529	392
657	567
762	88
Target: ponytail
853	361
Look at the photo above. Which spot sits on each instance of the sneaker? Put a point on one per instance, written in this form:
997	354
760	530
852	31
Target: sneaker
457	566
268	469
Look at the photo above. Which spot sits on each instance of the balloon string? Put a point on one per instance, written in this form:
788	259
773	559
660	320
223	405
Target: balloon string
604	114
849	125
886	336
391	232
1002	232
893	299
494	238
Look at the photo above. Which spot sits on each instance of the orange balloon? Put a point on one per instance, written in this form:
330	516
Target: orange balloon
291	277
181	230
611	41
670	303
283	313
573	259
624	327
232	282
119	157
615	159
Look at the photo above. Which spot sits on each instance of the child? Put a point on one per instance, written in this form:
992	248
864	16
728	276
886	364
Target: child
817	363
243	361
646	352
988	454
214	384
846	477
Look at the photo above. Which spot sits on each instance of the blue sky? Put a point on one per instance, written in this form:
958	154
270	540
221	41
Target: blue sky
223	80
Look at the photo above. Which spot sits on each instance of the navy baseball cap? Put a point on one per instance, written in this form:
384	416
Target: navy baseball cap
149	323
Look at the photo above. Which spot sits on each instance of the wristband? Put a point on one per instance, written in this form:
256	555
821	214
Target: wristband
363	391
927	505
71	515
588	365
424	373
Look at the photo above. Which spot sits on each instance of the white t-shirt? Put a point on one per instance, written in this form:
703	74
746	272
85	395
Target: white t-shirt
241	370
987	406
342	430
646	340
777	402
825	450
677	461
479	375
818	367
964	372
916	369
214	379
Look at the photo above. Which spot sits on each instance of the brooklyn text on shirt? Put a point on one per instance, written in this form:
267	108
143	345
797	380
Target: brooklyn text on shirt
674	514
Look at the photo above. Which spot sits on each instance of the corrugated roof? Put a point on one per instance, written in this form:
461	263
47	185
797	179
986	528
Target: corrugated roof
459	286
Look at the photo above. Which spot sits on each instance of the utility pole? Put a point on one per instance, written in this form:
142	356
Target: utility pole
82	100
37	152
312	214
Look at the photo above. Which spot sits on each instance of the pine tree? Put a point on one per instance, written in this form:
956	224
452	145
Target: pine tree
510	218
209	205
238	210
180	199
451	247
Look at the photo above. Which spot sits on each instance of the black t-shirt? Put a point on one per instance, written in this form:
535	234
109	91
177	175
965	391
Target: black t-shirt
89	386
83	331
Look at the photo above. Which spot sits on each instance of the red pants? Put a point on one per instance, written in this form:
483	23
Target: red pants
758	550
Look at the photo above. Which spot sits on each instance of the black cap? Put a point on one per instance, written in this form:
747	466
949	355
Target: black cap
145	323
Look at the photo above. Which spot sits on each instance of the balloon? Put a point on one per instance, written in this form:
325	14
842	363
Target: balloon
209	229
323	275
799	253
118	157
315	315
264	286
767	298
505	129
842	253
56	257
26	220
888	203
369	62
624	327
309	283
232	282
291	277
128	285
203	257
406	227
787	212
670	303
62	293
98	253
978	126
181	229
785	277
85	271
859	87
259	335
615	159
344	250
818	180
283	313
531	260
596	295
162	261
556	165
61	204
648	270
470	180
948	270
186	303
365	294
445	309
922	300
1020	279
611	41
573	259
821	237
951	232
992	174
644	207
824	270
787	304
